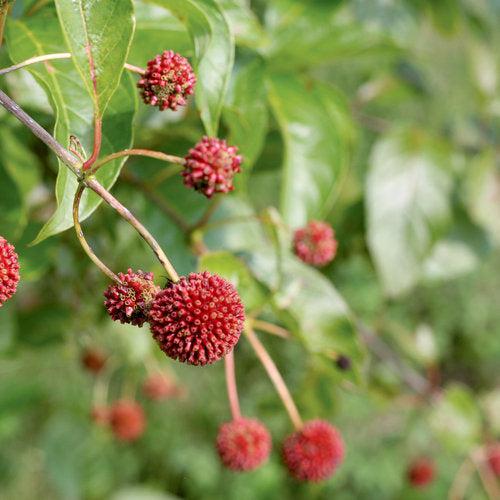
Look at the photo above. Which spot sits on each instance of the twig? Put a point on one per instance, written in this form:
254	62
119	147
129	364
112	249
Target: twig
232	391
275	377
486	474
264	326
34	60
81	238
135	69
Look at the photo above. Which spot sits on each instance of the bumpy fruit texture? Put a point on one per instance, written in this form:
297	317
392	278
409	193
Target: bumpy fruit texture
315	243
130	301
421	472
210	166
9	270
197	320
168	81
93	360
314	452
127	420
493	454
159	387
243	444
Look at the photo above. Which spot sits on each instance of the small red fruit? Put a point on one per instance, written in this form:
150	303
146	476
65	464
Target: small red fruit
421	472
127	420
493	455
243	444
129	302
210	166
168	81
197	320
93	360
159	386
9	270
314	452
315	243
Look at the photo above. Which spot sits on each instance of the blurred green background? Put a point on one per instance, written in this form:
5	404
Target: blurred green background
381	117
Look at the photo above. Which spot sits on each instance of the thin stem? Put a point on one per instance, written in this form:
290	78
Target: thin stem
486	474
461	481
125	213
275	377
138	152
232	391
212	208
81	238
34	60
37	6
135	69
4	11
264	326
157	199
62	153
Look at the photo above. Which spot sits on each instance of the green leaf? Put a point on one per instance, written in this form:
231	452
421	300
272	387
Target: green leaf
245	113
12	209
232	268
73	108
408	207
214	54
317	136
99	36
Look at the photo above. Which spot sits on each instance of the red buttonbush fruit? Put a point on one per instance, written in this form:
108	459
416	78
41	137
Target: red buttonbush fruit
129	302
197	320
168	81
210	167
314	452
127	420
243	444
493	456
159	386
9	270
93	360
421	472
315	243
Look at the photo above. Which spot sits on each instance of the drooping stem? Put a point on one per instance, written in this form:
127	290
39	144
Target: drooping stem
232	391
125	213
138	152
135	69
73	163
34	60
275	377
271	328
81	238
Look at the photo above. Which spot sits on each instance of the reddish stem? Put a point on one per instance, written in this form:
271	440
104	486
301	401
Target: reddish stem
232	391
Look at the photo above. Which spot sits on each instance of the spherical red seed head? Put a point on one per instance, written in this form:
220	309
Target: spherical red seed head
9	270
159	386
314	452
197	320
93	360
210	166
127	420
421	472
100	415
168	81
130	301
493	454
243	444
315	243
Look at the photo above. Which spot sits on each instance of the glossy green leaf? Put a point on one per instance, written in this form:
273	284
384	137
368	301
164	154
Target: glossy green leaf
73	108
214	54
408	207
99	36
317	139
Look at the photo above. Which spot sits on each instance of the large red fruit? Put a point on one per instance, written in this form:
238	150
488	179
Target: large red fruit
129	301
314	452
197	320
9	270
210	166
243	444
127	420
315	243
168	81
